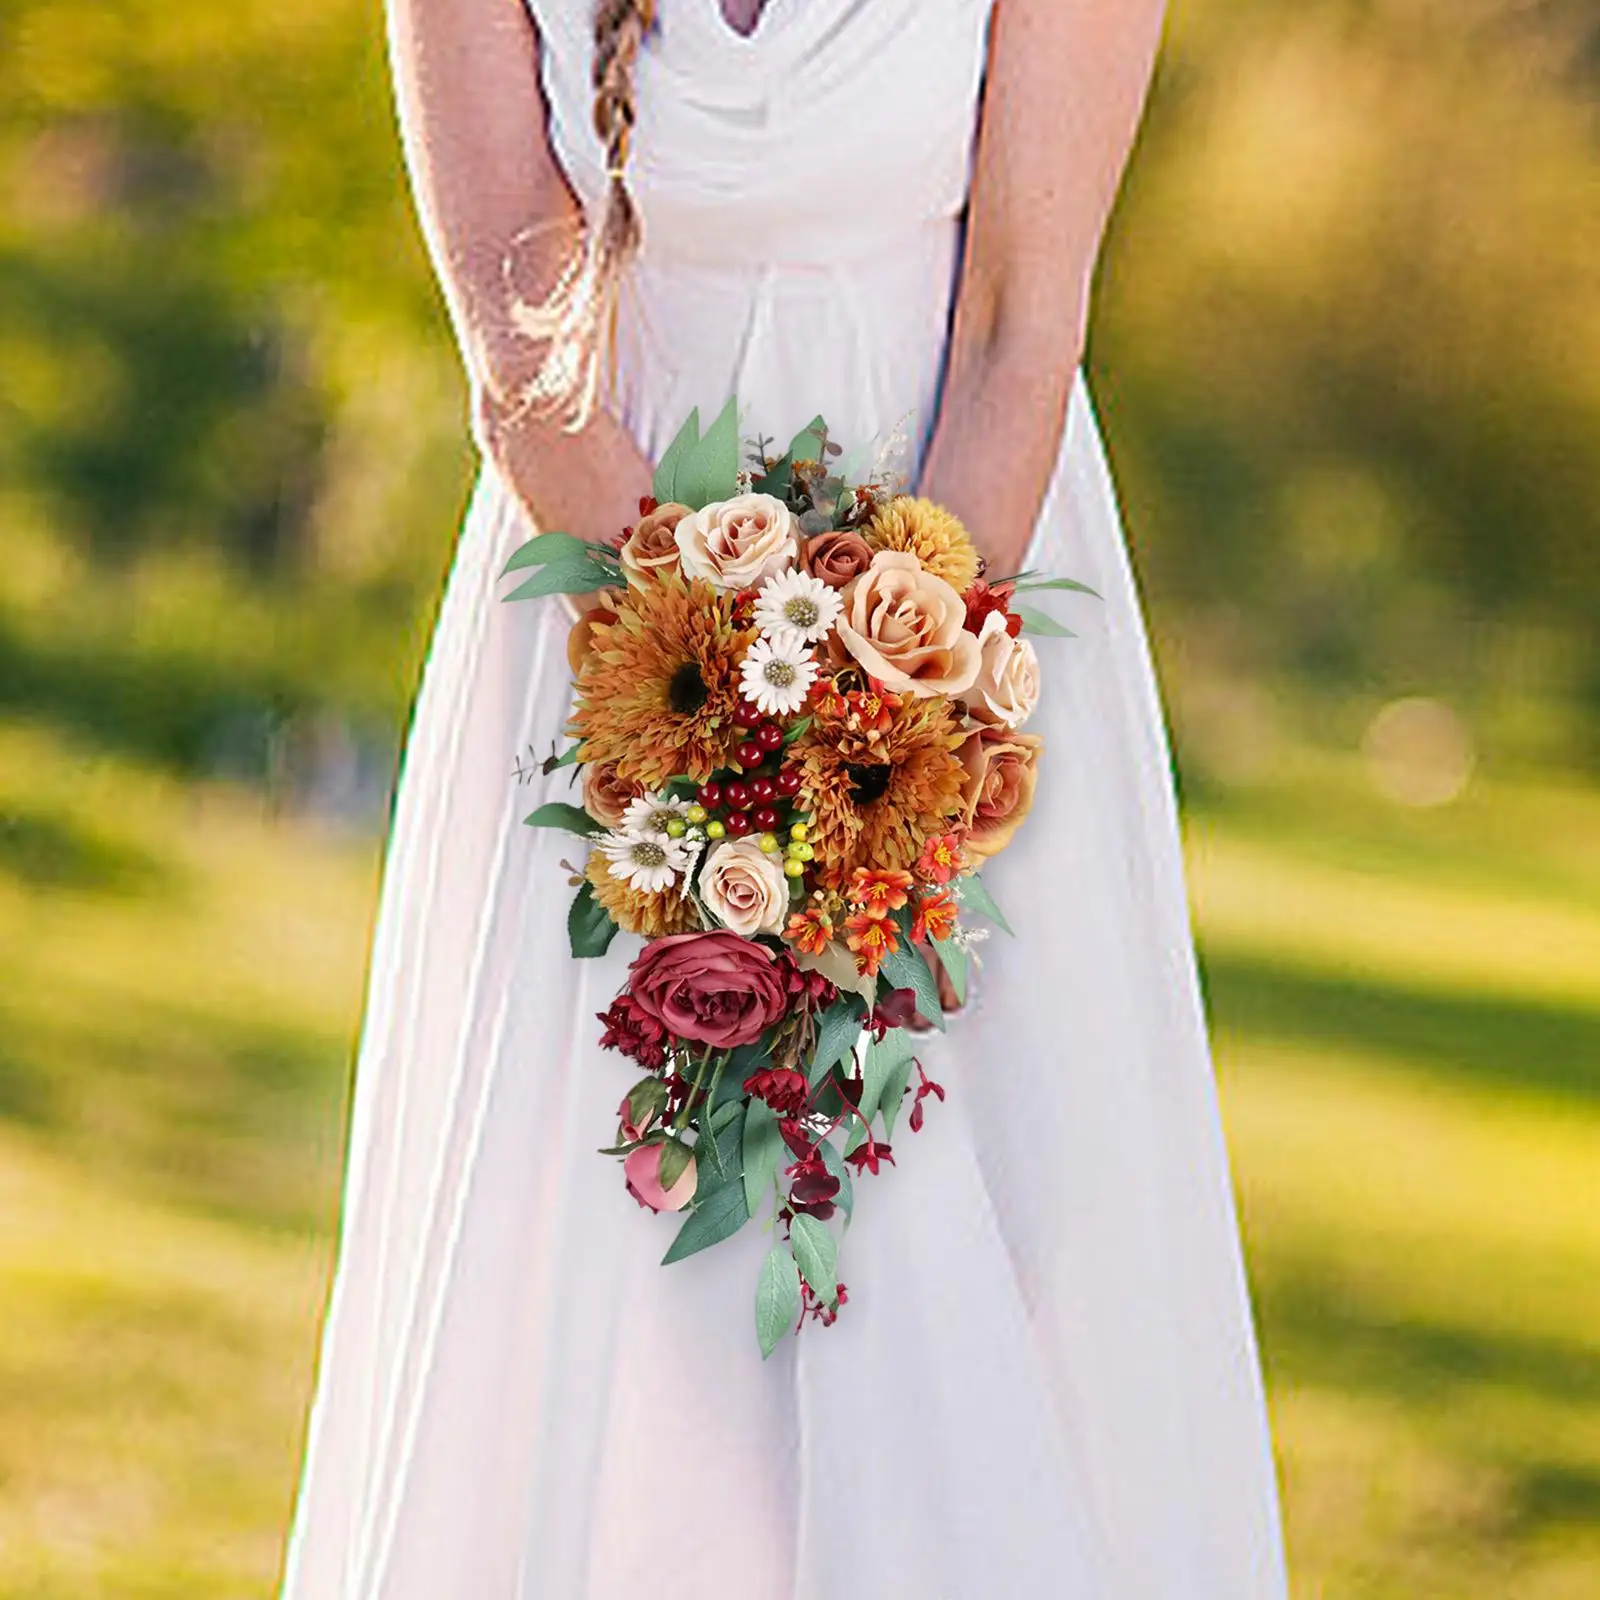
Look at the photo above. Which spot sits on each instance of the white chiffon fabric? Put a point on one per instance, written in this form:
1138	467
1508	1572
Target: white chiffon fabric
1045	1380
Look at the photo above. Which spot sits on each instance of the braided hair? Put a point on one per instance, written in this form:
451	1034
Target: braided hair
577	320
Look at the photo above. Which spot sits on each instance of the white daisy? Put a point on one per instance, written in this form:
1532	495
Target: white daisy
649	863
796	605
777	674
648	816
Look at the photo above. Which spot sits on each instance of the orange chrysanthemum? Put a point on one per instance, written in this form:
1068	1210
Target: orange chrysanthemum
872	939
659	684
874	797
810	931
935	918
878	890
940	860
653	916
930	533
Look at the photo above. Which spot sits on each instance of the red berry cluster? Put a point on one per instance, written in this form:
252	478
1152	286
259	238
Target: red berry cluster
750	803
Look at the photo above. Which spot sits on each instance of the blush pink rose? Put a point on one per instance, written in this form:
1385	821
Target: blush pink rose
734	544
642	1171
712	988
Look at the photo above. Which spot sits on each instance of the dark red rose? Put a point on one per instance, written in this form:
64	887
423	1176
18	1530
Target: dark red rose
712	988
634	1033
784	1089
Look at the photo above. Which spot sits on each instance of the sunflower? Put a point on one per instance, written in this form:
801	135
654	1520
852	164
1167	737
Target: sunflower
654	915
875	797
930	533
658	687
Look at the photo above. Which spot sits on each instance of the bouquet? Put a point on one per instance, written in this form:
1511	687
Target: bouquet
798	731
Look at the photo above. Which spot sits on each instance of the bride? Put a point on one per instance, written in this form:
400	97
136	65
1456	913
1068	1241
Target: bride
1045	1381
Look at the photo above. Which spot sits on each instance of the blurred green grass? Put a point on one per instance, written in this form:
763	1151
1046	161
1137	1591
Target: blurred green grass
1408	1023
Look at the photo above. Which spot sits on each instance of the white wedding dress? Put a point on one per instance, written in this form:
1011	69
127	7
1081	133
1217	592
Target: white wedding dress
1045	1381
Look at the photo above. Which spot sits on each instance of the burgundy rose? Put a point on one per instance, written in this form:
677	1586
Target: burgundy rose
713	988
784	1089
634	1033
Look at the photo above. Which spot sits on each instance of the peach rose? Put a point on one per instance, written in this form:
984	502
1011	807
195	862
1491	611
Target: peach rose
1007	686
734	544
836	557
745	889
1001	770
651	549
905	627
580	640
605	795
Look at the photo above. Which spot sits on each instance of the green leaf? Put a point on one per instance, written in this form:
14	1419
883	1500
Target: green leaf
674	1161
906	969
816	1253
777	1297
688	437
567	758
807	444
718	1149
954	961
547	547
1028	584
710	471
763	1149
1038	622
718	1214
558	814
837	1032
777	480
894	1092
834	1162
975	896
884	1056
589	925
795	729
567	575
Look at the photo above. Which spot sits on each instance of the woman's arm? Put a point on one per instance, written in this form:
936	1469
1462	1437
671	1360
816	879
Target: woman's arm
489	191
1066	84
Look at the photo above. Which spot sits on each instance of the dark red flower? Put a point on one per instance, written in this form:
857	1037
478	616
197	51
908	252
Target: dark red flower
981	600
897	1009
784	1089
926	1087
634	1033
812	988
868	1155
813	1305
647	504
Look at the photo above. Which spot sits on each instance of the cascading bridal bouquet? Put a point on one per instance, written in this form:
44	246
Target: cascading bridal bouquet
798	724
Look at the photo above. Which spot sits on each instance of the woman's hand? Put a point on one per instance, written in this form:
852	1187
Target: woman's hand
1066	83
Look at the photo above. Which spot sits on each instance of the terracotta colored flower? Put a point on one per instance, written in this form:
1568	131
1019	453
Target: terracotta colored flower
659	686
872	939
810	930
650	549
1001	770
649	913
931	534
940	860
642	1171
836	557
906	626
784	1090
936	917
982	601
713	988
879	890
580	637
606	796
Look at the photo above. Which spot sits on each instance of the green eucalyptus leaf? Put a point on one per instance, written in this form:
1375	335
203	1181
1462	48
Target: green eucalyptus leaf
688	436
835	1163
546	547
894	1092
564	575
1027	584
1038	622
975	896
777	1297
906	969
589	925
763	1149
954	961
718	1214
807	444
567	758
837	1031
884	1056
816	1253
558	814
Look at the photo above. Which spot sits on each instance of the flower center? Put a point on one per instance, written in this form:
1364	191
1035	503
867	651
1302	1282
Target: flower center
647	853
780	674
803	612
868	782
686	689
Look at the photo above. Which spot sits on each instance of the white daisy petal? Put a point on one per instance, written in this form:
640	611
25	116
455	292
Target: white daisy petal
798	606
777	674
649	815
648	862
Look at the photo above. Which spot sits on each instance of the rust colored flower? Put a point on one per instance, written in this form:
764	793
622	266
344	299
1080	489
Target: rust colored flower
872	939
580	637
650	548
650	914
936	918
810	930
940	860
1001	771
660	683
836	557
605	795
931	534
879	890
982	600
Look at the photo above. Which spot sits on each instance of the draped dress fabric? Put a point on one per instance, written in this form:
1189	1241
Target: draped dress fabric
1045	1380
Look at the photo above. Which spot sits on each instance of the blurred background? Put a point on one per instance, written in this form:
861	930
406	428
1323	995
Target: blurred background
1348	352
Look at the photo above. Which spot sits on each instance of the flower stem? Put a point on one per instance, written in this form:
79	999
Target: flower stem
694	1092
